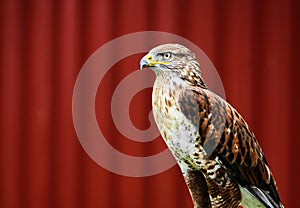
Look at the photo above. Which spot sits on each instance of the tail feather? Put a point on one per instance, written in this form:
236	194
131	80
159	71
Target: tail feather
255	197
265	198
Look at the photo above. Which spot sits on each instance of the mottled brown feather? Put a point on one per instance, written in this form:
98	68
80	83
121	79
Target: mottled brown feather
236	146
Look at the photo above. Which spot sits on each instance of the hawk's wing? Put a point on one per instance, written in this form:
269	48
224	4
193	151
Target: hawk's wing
226	136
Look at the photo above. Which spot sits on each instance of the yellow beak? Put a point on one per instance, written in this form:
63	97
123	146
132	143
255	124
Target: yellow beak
147	61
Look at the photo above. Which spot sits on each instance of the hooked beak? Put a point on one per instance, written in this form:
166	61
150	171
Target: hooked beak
147	61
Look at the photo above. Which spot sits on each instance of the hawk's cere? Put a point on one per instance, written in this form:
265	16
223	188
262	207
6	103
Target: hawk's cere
219	156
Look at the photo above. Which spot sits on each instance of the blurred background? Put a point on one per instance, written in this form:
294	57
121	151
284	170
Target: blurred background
44	43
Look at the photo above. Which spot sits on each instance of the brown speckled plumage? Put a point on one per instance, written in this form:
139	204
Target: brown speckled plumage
213	145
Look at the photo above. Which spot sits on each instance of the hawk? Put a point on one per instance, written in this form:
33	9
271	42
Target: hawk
219	156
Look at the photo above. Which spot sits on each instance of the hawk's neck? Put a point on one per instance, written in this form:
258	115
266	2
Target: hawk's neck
169	83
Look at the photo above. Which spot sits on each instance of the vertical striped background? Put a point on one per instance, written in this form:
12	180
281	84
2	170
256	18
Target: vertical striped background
44	43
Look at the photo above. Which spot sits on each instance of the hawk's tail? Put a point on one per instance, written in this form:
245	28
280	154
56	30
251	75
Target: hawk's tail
257	198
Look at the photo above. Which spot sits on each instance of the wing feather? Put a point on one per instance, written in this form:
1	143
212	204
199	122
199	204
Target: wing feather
227	137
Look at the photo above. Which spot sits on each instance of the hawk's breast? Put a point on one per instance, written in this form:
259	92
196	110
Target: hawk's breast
178	132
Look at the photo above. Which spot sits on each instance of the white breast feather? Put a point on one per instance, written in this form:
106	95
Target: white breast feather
178	132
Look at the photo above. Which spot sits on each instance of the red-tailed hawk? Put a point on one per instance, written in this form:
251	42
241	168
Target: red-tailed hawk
219	156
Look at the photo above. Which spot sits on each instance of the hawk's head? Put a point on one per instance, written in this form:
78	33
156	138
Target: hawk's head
174	60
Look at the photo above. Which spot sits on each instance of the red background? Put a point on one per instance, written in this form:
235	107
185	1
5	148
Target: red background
253	44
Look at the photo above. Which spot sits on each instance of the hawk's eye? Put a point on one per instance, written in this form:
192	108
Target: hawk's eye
167	55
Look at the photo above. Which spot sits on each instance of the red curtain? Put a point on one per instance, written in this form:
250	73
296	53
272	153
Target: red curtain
253	44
